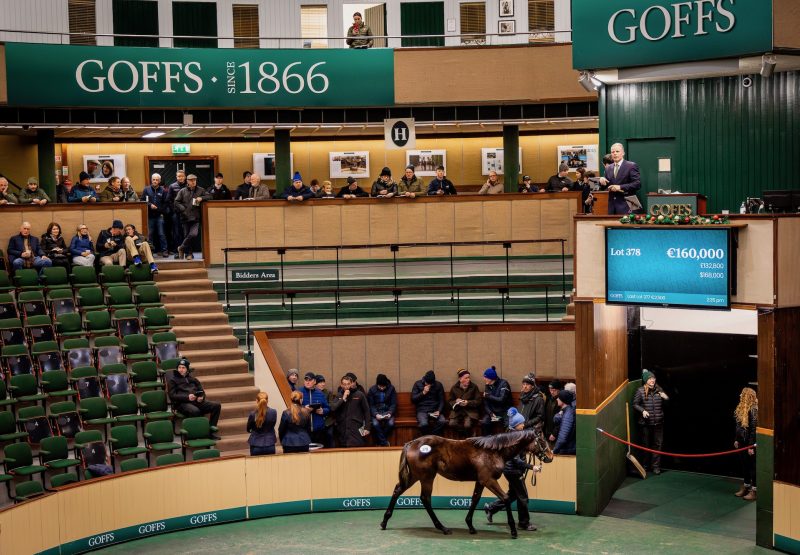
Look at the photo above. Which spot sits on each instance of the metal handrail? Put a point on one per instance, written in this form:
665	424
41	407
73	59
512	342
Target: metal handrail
394	248
63	34
504	291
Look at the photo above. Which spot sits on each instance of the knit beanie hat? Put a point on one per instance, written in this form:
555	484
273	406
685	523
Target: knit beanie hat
386	171
490	373
646	375
529	378
565	396
571	387
462	371
429	377
382	380
297	177
514	418
185	362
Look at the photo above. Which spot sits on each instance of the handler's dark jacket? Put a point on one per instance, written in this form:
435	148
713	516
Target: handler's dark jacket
652	403
515	467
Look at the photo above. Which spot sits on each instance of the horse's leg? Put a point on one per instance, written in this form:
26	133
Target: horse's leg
495	488
476	496
398	491
425	497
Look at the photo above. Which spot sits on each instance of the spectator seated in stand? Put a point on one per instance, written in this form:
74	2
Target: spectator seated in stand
428	397
25	251
496	400
465	402
137	248
382	399
440	185
81	248
83	191
111	245
351	190
188	397
32	194
297	191
384	187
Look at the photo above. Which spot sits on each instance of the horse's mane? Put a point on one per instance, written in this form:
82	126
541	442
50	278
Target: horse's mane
502	441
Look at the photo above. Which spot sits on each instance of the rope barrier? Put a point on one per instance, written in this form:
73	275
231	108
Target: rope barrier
679	455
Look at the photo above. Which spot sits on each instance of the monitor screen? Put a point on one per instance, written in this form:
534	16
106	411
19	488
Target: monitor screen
669	266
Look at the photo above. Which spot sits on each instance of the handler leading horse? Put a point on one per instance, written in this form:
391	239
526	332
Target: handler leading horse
478	459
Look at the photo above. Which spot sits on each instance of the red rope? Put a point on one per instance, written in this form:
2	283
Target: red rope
683	455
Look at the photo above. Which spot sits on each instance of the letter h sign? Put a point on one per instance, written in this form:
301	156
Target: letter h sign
399	134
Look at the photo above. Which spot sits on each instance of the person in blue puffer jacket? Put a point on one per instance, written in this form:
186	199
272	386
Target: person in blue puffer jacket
313	396
81	248
565	443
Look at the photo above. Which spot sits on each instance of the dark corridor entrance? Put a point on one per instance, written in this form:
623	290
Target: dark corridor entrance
703	373
204	167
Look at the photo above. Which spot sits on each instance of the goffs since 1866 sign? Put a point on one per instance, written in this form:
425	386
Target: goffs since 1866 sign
624	33
53	75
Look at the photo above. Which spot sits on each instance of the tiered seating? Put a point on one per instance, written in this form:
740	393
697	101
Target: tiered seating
83	367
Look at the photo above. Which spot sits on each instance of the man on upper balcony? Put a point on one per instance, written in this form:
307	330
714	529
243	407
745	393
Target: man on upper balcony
359	29
622	180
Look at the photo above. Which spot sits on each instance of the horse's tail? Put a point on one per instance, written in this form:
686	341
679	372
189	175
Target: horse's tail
405	469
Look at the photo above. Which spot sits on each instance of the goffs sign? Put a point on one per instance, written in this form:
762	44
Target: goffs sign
624	33
196	77
399	134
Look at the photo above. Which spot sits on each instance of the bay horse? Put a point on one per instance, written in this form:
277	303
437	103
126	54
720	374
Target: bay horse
478	459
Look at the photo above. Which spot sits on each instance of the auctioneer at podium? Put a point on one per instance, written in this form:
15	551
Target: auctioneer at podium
622	179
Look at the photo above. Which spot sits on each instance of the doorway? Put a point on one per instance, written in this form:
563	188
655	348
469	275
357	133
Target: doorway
656	159
204	167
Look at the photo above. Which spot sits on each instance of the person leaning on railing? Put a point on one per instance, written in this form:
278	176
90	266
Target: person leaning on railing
5	196
359	29
33	194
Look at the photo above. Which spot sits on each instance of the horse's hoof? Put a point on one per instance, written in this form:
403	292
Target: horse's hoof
446	531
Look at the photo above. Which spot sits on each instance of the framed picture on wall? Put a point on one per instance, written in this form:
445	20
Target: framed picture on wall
506	27
578	156
493	159
506	8
103	166
349	164
425	162
264	165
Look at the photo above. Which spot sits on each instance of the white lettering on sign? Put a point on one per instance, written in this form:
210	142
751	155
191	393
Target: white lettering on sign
356	502
203	519
126	71
460	502
101	539
152	527
409	502
656	22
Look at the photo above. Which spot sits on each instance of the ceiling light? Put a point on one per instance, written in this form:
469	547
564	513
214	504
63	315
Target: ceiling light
588	81
768	63
153	135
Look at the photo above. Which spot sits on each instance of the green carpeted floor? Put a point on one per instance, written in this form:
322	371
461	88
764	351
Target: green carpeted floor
676	512
689	501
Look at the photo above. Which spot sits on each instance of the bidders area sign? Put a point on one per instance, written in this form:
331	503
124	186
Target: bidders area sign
624	33
54	75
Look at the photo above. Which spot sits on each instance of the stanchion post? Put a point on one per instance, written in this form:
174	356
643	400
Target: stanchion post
282	252
225	263
452	277
564	272
507	246
394	249
247	323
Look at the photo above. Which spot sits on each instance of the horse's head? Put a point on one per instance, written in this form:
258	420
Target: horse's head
539	447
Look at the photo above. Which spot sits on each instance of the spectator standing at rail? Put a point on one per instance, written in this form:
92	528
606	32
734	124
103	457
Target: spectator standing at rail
261	426
156	197
532	402
294	426
410	185
317	403
565	442
172	216
352	413
550	410
440	185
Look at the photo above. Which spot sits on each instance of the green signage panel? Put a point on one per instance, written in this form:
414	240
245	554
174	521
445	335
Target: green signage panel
624	33
197	77
181	148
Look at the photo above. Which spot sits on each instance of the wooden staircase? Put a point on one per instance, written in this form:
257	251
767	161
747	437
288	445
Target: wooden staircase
208	342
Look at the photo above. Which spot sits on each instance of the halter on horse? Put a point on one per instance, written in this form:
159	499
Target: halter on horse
478	459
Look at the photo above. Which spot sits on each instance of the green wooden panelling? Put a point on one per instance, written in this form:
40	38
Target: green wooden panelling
195	19
731	142
135	17
422	18
765	467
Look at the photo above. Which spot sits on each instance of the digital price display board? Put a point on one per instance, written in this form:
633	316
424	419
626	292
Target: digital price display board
669	266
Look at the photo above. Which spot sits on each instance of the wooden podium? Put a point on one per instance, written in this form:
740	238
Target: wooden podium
600	202
696	201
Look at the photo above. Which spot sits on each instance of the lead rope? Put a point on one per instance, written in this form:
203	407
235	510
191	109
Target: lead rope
531	460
